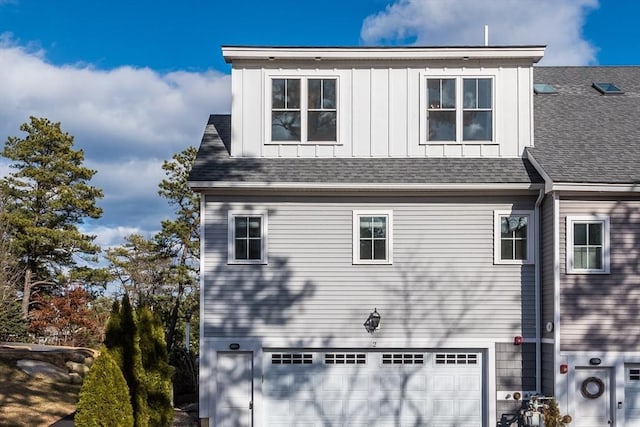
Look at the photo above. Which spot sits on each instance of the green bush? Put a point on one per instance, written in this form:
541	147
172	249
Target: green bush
104	396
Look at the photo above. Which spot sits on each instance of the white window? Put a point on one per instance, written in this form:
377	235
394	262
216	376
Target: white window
588	244
372	237
247	238
304	109
459	110
513	237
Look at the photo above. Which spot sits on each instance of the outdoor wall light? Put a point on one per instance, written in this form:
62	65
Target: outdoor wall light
595	361
234	346
373	321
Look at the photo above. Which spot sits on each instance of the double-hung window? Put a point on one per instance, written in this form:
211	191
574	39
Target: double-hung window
513	237
304	109
247	238
588	244
372	237
459	110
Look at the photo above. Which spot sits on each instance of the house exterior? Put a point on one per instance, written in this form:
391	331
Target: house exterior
371	239
586	148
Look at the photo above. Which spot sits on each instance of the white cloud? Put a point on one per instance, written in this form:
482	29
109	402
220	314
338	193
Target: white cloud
109	237
127	120
556	23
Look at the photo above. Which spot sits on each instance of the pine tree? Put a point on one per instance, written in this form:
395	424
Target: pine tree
47	197
156	367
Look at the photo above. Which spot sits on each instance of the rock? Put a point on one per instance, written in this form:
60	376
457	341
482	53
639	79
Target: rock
75	357
89	361
78	368
75	378
36	368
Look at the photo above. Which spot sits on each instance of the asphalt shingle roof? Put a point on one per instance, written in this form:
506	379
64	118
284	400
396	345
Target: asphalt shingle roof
214	164
582	136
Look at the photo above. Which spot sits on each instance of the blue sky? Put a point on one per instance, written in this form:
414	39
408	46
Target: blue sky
134	81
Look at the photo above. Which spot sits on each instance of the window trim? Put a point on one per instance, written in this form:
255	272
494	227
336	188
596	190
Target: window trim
356	236
497	241
606	248
459	109
231	231
304	78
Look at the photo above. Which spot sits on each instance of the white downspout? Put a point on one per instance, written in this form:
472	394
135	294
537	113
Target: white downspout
538	290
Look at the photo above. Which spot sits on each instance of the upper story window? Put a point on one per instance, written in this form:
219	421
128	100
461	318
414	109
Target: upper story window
304	109
247	238
459	109
588	244
513	237
372	237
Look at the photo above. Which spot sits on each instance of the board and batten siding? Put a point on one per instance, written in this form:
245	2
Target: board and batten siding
442	284
380	111
600	311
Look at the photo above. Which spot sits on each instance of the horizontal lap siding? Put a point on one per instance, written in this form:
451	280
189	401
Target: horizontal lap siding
442	283
547	268
600	311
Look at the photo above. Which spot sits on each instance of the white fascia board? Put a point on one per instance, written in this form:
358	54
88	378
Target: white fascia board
232	53
595	188
362	186
548	182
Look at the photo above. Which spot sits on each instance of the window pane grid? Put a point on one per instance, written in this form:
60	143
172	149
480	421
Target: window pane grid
477	115
322	112
248	237
513	237
373	238
441	109
285	114
587	245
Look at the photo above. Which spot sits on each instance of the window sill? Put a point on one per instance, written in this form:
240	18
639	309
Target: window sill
302	143
249	262
574	272
459	143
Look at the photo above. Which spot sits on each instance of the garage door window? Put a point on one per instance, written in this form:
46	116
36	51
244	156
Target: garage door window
345	358
291	358
456	359
402	359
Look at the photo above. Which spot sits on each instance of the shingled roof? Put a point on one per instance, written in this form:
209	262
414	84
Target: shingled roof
214	166
582	136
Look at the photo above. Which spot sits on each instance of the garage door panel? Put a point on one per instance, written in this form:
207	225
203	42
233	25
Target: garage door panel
374	389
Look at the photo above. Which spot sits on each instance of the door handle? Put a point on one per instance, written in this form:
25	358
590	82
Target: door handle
251	406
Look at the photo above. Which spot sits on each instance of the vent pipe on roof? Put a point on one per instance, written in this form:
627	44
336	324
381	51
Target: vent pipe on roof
486	35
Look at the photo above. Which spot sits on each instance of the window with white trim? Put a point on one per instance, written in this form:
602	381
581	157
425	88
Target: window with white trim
513	237
588	244
304	109
247	238
372	237
459	110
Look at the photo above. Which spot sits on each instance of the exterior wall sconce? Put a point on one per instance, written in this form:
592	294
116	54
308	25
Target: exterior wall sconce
373	321
595	361
517	340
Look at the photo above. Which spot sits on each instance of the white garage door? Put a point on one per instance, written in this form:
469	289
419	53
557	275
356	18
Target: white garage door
632	395
359	388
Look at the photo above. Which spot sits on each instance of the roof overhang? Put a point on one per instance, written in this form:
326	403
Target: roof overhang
209	186
320	53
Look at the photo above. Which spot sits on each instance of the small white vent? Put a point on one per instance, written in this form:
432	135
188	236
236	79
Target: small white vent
456	359
345	358
634	374
402	359
291	358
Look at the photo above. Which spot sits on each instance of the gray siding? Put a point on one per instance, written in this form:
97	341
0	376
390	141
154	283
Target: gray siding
547	241
600	311
443	282
548	370
515	370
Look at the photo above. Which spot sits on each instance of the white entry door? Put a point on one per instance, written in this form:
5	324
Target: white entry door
592	397
234	378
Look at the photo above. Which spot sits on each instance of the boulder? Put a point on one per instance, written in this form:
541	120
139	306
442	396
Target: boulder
75	378
36	368
78	368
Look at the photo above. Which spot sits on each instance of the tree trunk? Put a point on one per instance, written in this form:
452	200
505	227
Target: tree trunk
26	293
174	318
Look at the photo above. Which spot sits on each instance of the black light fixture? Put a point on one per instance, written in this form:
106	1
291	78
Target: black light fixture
373	321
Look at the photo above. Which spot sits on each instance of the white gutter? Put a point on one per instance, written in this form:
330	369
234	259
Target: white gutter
315	186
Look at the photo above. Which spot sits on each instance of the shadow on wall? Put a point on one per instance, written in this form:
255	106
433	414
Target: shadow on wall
600	311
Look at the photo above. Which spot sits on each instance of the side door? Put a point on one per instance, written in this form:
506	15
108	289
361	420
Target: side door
234	398
593	397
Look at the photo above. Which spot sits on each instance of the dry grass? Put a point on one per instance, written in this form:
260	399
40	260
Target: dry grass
31	401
